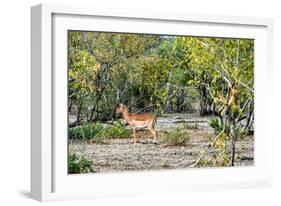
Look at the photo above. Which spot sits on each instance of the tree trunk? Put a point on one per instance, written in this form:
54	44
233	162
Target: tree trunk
233	150
92	113
233	145
97	107
70	105
80	109
204	101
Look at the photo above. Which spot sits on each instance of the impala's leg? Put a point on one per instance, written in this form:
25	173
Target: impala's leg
153	133
134	134
152	130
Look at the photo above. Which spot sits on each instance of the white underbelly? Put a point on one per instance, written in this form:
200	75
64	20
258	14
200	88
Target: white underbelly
138	124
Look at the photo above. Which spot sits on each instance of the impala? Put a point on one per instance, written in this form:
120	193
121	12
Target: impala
138	120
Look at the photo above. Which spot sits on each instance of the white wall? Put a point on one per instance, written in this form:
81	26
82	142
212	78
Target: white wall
15	95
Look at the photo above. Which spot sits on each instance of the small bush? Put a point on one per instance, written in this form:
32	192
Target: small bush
77	165
217	126
177	136
99	132
116	131
87	131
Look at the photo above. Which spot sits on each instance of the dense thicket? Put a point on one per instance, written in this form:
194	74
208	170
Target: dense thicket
161	74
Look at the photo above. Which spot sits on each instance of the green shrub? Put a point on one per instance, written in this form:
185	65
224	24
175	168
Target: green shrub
98	132
87	131
116	131
177	136
77	165
217	126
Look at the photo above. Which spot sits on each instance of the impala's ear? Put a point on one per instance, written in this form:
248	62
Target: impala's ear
119	105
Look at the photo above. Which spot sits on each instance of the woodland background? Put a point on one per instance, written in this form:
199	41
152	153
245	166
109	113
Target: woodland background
163	75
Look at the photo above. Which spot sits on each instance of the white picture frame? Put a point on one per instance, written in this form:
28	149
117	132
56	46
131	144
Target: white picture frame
49	178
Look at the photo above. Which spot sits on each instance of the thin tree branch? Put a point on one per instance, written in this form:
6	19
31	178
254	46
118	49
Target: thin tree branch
206	148
223	76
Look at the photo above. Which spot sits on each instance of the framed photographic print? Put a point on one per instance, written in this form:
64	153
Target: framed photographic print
137	102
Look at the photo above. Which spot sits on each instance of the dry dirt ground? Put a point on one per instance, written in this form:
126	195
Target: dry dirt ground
120	155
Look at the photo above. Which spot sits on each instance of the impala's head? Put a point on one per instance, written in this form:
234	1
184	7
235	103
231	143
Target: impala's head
120	108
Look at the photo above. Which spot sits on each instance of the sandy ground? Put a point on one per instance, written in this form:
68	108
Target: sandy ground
120	154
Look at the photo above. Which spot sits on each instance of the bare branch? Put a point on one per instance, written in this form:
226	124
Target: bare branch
243	108
206	148
223	76
211	94
246	86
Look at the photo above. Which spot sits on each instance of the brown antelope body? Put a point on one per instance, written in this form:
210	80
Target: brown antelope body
138	120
